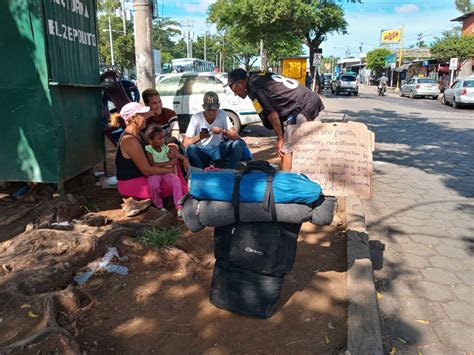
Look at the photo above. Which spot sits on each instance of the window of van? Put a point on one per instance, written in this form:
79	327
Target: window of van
348	78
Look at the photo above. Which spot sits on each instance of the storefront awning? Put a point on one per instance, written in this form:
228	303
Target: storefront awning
403	67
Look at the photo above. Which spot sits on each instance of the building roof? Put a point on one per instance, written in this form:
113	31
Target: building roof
463	17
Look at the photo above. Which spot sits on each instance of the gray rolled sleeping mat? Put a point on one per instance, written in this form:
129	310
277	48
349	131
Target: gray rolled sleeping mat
199	214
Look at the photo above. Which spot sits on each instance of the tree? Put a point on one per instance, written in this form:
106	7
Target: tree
376	59
452	45
108	6
464	6
310	21
286	47
164	29
125	56
316	21
420	43
104	39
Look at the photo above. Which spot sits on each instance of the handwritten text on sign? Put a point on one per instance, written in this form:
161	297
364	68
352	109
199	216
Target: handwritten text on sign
336	155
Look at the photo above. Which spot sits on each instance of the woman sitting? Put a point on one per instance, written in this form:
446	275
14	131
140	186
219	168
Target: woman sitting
131	161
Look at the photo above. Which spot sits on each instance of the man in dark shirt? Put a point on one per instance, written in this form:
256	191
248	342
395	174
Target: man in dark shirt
277	99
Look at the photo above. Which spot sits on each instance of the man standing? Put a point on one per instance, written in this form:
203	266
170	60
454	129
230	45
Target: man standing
166	118
204	138
277	99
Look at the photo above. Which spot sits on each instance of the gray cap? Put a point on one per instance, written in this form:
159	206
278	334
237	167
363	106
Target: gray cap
211	101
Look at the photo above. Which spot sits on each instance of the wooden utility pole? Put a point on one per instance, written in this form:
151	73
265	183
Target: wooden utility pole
144	44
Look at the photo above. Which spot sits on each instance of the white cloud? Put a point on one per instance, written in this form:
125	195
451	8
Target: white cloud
200	7
405	9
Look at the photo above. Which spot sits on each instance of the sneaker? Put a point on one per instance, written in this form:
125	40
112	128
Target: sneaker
137	206
180	215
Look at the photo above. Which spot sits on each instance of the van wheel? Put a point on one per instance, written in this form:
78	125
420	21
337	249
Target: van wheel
400	93
455	104
443	100
412	95
235	120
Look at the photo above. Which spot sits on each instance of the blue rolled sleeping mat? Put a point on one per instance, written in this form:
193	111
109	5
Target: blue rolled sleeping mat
288	187
297	199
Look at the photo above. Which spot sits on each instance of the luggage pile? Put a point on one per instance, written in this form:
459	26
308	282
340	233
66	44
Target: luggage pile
257	213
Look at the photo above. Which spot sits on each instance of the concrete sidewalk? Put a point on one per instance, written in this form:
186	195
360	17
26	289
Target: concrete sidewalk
422	210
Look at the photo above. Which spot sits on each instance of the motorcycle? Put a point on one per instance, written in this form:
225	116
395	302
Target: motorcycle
382	88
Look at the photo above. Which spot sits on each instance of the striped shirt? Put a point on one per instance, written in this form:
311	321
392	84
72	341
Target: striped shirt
168	120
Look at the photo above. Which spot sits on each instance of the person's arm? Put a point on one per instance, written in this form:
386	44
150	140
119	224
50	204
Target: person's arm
229	131
194	139
274	119
132	149
193	135
174	127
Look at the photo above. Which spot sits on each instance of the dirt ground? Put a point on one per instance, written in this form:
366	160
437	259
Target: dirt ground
162	306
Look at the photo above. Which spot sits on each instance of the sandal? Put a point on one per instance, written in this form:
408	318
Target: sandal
138	206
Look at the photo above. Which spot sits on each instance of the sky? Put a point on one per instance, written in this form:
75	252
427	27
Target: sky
366	20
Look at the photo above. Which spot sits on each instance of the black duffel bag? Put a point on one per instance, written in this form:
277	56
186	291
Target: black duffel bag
264	247
244	292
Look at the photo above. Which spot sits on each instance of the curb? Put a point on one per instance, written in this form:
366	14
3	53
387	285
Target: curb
364	334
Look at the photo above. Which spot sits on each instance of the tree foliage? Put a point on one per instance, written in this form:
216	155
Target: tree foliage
278	21
376	59
248	22
453	45
464	6
125	56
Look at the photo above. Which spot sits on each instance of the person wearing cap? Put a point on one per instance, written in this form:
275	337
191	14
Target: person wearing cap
204	138
277	99
132	163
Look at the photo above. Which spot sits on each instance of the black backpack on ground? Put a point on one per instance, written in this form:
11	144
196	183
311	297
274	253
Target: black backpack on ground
245	292
267	248
252	258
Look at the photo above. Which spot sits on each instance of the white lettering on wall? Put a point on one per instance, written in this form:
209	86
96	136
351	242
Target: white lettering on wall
71	34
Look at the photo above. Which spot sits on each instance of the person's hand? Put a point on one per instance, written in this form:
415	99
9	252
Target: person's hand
173	161
217	130
279	146
204	135
172	154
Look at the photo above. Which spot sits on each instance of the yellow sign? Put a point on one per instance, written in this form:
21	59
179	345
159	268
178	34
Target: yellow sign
391	36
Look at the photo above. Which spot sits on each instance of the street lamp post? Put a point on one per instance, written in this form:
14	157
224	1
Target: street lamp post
111	44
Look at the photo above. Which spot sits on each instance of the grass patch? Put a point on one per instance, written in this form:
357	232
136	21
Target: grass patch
90	207
159	237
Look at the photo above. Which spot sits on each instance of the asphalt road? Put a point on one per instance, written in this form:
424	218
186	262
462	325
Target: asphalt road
422	209
370	93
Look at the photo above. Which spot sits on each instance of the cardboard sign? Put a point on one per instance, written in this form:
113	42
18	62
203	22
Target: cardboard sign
338	156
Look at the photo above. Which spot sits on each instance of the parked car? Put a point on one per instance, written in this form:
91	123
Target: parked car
184	93
420	87
327	81
461	93
158	78
345	83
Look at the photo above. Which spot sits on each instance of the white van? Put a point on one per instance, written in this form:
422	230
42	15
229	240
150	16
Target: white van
184	93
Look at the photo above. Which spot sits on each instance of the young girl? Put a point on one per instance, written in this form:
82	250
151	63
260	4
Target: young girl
159	154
